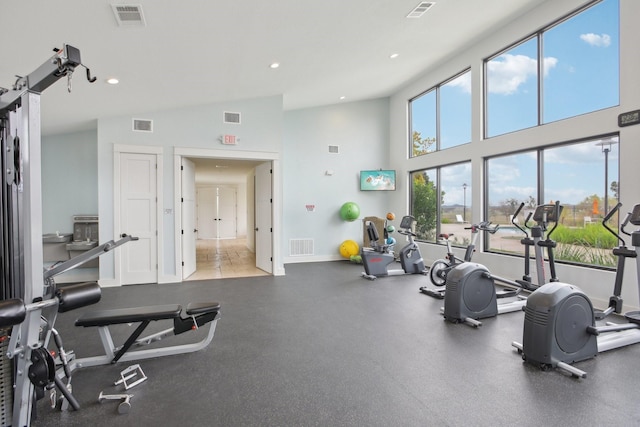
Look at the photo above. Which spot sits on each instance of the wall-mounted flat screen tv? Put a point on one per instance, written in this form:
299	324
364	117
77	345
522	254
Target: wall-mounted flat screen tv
380	180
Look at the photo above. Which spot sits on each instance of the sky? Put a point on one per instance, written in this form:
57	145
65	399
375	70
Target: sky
580	74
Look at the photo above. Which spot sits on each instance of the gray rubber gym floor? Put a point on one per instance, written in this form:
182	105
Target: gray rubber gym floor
323	347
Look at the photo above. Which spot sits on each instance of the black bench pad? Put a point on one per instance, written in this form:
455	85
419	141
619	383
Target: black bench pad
129	315
195	308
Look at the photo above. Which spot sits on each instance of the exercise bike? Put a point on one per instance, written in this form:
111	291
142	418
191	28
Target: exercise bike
559	324
441	267
377	258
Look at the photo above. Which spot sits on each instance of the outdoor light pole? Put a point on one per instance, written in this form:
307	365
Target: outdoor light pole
464	202
606	148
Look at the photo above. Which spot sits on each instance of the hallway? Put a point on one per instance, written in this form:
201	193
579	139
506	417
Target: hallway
224	258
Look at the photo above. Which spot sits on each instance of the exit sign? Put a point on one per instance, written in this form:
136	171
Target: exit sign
229	139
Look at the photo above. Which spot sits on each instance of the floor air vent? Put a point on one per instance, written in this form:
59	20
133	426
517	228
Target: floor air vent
334	149
141	125
300	247
233	118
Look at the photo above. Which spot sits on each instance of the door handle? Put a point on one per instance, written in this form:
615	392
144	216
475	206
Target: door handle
256	229
195	230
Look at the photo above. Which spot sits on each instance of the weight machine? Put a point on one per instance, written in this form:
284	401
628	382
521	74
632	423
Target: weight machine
21	258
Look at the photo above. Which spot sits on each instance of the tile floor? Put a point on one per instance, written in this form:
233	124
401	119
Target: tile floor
224	258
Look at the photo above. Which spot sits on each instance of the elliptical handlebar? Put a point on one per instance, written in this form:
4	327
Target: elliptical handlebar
514	217
624	223
483	226
557	212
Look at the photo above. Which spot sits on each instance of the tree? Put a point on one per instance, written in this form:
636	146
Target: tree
421	146
424	205
614	189
509	206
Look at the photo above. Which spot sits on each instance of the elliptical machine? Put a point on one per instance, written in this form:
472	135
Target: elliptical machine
470	292
540	239
559	323
441	267
377	258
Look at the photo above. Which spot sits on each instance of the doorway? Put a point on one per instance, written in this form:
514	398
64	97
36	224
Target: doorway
215	169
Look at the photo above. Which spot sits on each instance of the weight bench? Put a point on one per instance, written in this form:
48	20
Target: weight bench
192	317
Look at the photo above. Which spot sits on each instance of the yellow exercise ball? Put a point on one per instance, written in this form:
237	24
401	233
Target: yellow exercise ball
349	248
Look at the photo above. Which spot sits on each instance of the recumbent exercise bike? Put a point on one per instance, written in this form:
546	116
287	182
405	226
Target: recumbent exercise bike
377	258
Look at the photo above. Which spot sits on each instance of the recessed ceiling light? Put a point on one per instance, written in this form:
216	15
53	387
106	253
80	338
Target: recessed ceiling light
394	55
343	97
113	81
274	65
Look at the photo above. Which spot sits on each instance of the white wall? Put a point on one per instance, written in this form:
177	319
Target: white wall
598	284
197	127
361	131
69	179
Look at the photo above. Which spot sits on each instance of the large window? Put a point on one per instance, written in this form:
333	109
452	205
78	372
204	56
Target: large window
582	176
441	117
512	92
572	67
441	202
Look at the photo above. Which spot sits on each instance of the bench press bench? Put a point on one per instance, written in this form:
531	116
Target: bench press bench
190	318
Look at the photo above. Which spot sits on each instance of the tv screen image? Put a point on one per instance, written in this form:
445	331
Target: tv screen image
380	180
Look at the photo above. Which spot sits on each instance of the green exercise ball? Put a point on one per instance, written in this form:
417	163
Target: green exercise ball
350	211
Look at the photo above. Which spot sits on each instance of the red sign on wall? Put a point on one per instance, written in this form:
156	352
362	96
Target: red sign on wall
229	139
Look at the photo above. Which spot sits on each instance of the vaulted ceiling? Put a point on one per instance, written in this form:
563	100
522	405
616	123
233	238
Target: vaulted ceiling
198	52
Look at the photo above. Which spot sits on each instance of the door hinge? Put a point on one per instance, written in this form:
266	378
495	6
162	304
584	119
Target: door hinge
183	263
271	230
181	231
181	199
181	168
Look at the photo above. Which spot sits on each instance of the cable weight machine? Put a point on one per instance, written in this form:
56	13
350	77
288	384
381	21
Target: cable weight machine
21	258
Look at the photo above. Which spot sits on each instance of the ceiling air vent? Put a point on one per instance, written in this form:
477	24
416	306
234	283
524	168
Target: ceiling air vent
334	149
142	125
420	9
128	15
233	118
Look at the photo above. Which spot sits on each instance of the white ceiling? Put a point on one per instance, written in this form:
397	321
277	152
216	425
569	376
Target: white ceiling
198	52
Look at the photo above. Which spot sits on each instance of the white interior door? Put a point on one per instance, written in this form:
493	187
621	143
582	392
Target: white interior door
227	213
188	198
207	213
138	208
263	217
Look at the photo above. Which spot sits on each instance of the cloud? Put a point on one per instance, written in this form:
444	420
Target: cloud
508	72
597	40
463	82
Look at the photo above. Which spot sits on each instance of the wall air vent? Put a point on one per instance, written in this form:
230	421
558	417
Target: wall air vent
128	15
420	9
334	149
300	247
233	118
142	125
